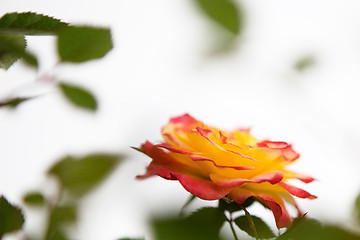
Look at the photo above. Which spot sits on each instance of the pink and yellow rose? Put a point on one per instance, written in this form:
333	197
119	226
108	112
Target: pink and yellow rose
212	164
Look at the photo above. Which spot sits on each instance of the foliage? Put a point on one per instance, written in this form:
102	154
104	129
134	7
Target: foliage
263	231
11	217
202	224
311	229
79	175
357	209
80	44
223	12
30	23
34	199
78	96
74	44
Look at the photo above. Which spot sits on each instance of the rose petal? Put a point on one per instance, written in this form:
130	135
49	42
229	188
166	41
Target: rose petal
185	119
288	152
271	144
162	163
155	168
202	188
298	192
281	215
222	137
175	150
203	133
199	158
299	176
239	195
271	177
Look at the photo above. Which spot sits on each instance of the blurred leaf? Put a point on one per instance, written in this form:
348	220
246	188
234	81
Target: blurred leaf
80	175
12	47
78	96
304	63
357	209
30	23
263	231
79	44
311	229
30	59
60	218
34	199
224	12
11	218
13	102
203	224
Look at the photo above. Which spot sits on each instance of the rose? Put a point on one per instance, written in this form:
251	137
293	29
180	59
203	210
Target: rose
212	164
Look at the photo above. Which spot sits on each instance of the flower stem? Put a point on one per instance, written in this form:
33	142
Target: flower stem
251	222
232	227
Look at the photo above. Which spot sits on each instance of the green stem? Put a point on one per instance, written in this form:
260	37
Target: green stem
232	227
251	222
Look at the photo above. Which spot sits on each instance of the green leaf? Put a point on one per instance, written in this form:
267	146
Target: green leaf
11	49
357	209
311	229
60	218
262	229
203	224
13	102
78	96
80	175
11	218
79	44
34	199
224	12
30	23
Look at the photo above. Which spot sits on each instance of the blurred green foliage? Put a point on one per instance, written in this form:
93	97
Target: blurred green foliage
78	96
12	47
30	23
79	175
311	229
34	199
80	44
74	44
14	102
11	217
262	231
224	12
205	223
357	209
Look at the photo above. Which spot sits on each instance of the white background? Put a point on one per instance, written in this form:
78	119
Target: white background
161	67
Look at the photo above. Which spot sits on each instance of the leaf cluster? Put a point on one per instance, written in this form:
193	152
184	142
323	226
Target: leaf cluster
75	44
77	176
202	224
311	229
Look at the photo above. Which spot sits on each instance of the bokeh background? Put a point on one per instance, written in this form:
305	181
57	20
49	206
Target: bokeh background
169	59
